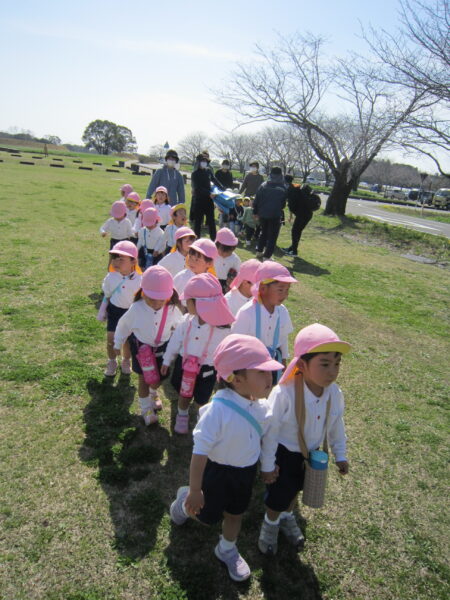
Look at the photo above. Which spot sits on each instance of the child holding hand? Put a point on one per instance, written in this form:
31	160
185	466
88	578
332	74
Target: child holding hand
227	443
307	386
118	226
227	263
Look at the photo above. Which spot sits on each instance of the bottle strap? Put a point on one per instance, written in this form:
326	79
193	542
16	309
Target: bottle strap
161	325
241	411
300	413
205	351
276	333
116	289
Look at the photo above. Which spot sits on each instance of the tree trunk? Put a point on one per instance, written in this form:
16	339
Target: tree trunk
337	200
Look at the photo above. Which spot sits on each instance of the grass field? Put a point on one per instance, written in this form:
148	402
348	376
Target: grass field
85	488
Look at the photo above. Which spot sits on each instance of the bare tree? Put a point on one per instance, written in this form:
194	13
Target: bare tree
238	148
156	152
192	144
292	84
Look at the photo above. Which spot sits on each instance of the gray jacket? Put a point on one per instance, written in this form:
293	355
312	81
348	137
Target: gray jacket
270	198
170	179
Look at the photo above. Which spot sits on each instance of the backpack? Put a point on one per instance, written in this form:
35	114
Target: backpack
313	202
301	200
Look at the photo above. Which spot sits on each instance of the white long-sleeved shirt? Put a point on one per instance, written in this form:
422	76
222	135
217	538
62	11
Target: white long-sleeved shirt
235	300
119	230
222	264
225	436
164	213
283	426
137	224
124	296
144	321
154	238
180	280
196	343
174	262
131	216
246	323
169	236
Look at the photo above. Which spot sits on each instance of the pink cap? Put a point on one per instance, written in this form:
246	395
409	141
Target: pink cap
127	188
210	303
314	338
147	203
157	283
226	237
182	232
247	272
150	217
161	188
206	247
118	209
134	196
271	270
125	248
239	351
177	207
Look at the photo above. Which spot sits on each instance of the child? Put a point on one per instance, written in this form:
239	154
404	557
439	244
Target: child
178	219
248	222
147	203
266	317
227	446
193	343
310	376
150	320
118	226
228	263
161	200
236	214
133	201
125	190
240	288
150	239
200	259
175	261
120	286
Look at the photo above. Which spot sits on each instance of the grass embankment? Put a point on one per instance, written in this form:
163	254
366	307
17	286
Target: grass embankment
85	488
434	215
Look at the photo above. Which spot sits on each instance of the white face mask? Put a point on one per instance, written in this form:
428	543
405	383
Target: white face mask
170	162
253	169
225	167
203	164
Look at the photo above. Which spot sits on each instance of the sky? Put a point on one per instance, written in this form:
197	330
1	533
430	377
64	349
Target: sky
150	66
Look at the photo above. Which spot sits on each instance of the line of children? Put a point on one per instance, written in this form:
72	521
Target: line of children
241	286
150	243
118	226
133	201
175	261
227	263
178	219
161	200
200	259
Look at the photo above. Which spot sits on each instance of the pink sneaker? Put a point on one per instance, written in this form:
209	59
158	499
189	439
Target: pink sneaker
125	366
181	424
150	418
111	368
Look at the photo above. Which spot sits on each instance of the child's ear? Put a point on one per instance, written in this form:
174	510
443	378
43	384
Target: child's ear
301	364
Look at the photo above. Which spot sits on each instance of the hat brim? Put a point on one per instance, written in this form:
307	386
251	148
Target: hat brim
291	370
122	252
214	313
157	295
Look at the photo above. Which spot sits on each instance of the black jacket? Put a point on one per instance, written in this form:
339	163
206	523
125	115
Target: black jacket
270	198
297	198
201	180
225	178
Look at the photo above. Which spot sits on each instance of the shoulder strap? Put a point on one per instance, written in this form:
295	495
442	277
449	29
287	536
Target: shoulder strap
276	333
162	325
300	413
116	289
205	351
241	411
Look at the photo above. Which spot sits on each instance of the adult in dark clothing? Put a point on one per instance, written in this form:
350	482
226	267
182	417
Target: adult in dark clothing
252	180
268	206
225	176
299	206
202	203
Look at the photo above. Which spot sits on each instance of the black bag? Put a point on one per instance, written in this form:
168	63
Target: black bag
313	202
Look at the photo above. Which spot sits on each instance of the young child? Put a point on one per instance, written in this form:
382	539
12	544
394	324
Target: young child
175	261
226	449
200	259
178	219
150	320
161	200
147	203
118	226
120	286
266	317
312	371
150	239
228	263
235	223
132	201
125	190
240	288
193	343
248	222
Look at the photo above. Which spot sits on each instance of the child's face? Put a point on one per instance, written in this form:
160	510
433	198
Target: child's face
186	243
150	227
190	305
246	288
321	371
253	384
224	251
179	218
120	218
154	304
197	262
274	293
131	205
246	202
160	197
122	264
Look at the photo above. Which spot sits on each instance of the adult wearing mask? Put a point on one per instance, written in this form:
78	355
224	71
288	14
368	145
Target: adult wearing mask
252	180
202	203
225	176
169	177
268	206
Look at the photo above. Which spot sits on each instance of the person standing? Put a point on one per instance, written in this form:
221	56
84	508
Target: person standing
252	180
300	202
224	175
202	203
169	177
268	207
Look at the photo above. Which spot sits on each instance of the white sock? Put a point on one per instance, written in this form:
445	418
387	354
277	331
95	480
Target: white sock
145	404
183	413
285	514
152	393
267	520
225	545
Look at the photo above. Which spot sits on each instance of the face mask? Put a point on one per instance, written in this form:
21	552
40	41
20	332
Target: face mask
171	162
253	169
225	167
203	164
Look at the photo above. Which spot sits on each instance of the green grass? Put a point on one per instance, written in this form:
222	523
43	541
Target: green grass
85	487
425	214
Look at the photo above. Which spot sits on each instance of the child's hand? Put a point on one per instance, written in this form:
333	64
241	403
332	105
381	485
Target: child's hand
117	351
156	253
103	233
194	502
342	465
164	370
270	476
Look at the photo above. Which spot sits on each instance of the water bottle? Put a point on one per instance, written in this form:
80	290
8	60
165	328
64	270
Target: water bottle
191	369
148	364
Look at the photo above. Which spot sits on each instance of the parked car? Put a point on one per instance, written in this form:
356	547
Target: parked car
442	199
397	193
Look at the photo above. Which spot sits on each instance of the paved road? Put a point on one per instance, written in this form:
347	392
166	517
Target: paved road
373	211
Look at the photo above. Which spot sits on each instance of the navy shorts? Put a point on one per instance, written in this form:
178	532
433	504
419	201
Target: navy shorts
113	313
204	384
290	479
225	488
134	347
